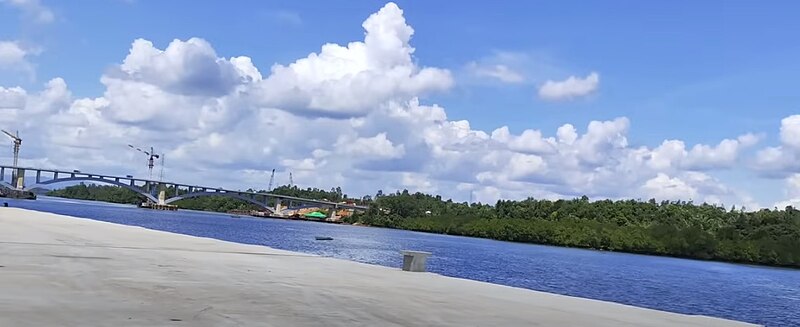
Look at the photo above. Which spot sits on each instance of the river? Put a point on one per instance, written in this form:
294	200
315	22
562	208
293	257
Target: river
769	296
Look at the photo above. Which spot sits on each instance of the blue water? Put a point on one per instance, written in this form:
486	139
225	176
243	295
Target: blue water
769	296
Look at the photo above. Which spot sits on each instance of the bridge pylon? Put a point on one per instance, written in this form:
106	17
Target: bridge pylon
162	195
19	183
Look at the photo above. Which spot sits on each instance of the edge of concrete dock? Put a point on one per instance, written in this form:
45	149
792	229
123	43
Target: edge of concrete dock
70	271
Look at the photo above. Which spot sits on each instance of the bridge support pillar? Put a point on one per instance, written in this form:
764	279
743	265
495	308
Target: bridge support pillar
332	215
162	195
2	173
38	176
278	207
20	179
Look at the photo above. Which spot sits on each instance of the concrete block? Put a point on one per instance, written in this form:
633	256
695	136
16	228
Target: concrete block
414	260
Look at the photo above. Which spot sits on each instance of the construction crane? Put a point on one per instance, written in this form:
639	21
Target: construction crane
161	175
17	143
271	180
150	160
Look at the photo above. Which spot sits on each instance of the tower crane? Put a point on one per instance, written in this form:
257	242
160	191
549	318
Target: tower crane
161	175
271	180
17	143
150	160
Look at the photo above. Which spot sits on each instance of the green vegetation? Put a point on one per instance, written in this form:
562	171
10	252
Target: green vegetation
98	193
681	229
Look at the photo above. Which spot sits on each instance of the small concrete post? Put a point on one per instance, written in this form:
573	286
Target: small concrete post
414	260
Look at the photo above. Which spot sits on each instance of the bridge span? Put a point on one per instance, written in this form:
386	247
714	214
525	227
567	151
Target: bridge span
159	192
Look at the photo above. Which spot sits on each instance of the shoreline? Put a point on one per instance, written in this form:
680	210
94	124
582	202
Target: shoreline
61	270
359	224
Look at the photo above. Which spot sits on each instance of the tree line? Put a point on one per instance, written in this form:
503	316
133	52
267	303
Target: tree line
672	228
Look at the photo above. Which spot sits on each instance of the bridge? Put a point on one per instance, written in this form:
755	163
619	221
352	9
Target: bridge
148	188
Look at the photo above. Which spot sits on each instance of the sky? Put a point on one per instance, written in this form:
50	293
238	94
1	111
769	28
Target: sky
679	100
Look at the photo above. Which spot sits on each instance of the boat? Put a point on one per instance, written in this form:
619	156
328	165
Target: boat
324	238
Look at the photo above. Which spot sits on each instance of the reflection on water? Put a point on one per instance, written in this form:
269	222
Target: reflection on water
748	293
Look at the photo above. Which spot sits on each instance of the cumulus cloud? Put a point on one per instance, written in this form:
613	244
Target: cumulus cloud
782	160
668	188
790	131
792	192
672	154
187	68
351	80
12	98
11	54
377	146
15	57
569	88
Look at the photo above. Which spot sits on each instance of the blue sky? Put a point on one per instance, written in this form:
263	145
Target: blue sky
698	72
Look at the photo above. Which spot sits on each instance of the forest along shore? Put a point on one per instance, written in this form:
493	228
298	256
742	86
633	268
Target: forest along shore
668	228
60	270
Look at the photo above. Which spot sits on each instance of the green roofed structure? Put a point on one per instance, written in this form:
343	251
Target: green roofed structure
316	214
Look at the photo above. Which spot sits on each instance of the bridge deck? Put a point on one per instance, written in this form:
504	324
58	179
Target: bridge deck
80	175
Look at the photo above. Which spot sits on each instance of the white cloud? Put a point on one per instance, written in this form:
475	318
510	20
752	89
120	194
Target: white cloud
33	10
12	98
377	146
498	71
790	131
530	141
11	54
782	160
792	191
418	183
187	68
351	80
569	88
347	116
672	154
663	187
15	58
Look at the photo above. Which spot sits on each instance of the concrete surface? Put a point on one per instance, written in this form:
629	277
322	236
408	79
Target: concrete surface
64	271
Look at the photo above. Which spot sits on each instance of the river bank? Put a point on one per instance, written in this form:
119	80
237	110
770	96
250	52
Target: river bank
657	240
61	270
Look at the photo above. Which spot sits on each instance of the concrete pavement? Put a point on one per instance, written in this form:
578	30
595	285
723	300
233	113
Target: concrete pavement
64	271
